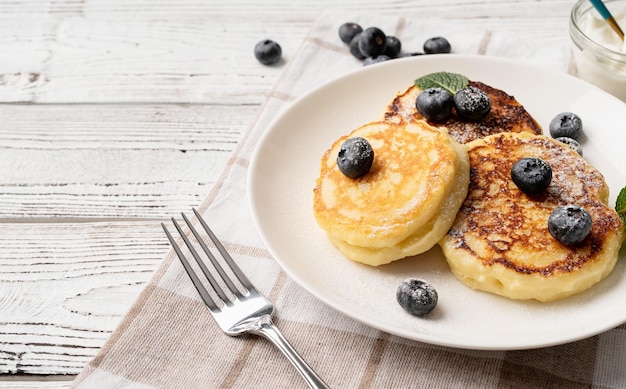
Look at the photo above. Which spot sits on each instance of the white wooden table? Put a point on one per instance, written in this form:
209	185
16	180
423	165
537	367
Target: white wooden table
116	115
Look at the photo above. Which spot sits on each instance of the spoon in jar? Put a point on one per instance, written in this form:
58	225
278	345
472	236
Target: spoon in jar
606	15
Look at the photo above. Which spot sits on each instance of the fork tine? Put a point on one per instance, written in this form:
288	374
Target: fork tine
192	275
216	287
213	260
227	258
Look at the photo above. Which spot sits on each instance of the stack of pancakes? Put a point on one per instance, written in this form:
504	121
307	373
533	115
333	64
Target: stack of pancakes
449	183
406	202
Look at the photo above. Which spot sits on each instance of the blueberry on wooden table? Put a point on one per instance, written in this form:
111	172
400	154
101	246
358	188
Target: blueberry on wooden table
392	47
437	45
472	103
416	296
372	42
355	157
566	124
354	48
349	30
268	52
434	104
531	175
569	224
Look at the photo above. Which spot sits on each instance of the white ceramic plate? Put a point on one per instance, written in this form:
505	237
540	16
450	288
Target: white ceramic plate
286	162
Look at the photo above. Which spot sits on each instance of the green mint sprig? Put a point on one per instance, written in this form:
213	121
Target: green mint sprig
452	82
620	205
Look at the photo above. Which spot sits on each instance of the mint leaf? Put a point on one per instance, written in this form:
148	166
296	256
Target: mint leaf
620	205
452	82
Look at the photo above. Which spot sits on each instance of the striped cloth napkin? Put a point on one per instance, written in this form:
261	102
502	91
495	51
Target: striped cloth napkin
169	340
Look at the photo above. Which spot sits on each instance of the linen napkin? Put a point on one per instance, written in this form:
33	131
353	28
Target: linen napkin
169	340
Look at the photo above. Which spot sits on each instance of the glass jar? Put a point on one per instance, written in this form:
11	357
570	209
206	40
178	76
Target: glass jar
600	54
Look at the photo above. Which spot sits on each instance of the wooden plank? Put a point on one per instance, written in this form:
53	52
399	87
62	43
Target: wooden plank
129	161
60	58
194	51
66	286
34	383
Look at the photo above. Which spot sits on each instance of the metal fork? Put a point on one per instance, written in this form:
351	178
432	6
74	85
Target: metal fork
236	312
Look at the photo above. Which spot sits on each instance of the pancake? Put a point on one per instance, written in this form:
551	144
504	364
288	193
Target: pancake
417	170
500	241
506	115
419	242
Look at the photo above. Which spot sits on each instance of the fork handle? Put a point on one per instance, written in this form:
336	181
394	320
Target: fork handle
268	330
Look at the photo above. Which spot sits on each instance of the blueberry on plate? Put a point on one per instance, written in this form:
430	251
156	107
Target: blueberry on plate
434	104
354	48
437	45
355	157
571	142
569	224
472	103
393	47
374	60
372	42
349	30
566	124
416	296
531	175
268	52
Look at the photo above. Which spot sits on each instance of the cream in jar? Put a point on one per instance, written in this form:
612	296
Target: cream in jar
601	54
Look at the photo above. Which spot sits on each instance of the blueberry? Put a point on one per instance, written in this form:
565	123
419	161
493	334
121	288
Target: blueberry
393	47
416	296
566	124
372	42
472	103
355	157
569	224
373	60
354	48
434	104
437	45
531	175
268	52
347	31
571	142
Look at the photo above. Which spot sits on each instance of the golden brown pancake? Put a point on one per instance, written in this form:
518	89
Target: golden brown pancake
393	211
506	115
500	241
